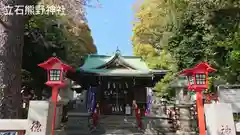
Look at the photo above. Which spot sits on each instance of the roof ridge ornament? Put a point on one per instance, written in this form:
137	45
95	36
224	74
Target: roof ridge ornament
118	51
54	54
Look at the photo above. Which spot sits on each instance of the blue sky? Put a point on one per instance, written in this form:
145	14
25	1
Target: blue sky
111	26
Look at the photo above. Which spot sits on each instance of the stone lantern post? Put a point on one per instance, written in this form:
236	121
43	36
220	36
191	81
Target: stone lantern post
183	102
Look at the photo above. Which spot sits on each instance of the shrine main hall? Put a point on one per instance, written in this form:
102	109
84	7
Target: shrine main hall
115	81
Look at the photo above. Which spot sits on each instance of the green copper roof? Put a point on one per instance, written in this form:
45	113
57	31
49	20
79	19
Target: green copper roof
119	72
95	61
131	66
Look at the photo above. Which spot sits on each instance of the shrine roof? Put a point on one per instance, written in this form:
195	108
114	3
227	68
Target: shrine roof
117	65
94	61
119	72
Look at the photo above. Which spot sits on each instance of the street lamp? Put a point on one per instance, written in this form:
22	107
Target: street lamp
198	81
56	70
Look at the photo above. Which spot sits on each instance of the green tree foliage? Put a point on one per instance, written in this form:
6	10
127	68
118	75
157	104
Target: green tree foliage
12	42
190	32
209	31
50	34
151	34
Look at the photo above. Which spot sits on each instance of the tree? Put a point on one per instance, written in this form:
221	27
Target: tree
152	29
205	27
45	36
11	51
190	32
11	45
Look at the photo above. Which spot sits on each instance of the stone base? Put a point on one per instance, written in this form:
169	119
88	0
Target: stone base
78	132
60	132
185	133
78	124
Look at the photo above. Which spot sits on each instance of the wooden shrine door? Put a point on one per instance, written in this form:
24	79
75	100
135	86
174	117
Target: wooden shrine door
115	100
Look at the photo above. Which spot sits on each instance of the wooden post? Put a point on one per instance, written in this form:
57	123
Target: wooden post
54	100
200	111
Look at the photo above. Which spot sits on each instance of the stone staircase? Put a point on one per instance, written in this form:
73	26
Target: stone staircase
157	123
117	125
78	124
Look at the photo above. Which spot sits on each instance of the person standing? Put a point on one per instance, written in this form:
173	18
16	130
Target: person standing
137	114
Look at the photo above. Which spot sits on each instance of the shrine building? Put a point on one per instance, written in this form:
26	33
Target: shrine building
115	81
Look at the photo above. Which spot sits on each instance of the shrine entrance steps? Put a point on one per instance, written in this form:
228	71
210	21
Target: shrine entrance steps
117	125
81	124
127	125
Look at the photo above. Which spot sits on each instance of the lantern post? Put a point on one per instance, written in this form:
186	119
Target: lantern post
198	82
55	72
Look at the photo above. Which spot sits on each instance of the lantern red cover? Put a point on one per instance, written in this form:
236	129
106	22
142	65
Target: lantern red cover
201	68
55	63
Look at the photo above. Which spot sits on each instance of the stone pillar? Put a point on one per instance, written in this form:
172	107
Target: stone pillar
59	111
185	120
184	104
81	102
66	94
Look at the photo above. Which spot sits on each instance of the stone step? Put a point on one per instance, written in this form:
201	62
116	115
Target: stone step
156	132
118	122
72	124
117	131
120	125
117	118
126	126
78	124
60	132
120	132
115	123
78	132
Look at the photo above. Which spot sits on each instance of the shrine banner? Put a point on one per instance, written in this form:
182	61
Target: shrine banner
149	100
91	99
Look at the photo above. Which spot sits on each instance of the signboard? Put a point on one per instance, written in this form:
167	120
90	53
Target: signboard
37	118
230	94
219	119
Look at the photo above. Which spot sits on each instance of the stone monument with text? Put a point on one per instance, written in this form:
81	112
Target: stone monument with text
230	94
219	119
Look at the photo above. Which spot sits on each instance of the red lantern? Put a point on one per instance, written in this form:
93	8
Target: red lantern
198	76
198	81
55	69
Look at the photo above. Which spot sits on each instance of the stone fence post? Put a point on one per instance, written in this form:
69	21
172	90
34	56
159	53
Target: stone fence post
183	102
59	111
185	119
